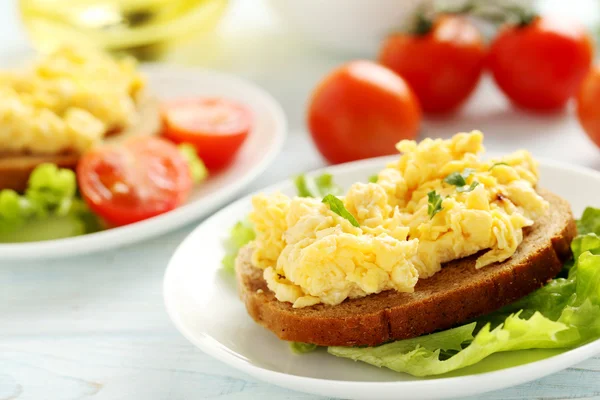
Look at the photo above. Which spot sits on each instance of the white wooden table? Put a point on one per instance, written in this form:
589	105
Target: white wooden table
95	326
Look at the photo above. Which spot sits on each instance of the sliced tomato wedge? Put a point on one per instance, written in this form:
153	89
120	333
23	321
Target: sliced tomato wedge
216	127
136	180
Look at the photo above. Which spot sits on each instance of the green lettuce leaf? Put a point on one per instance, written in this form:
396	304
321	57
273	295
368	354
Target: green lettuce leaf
583	308
241	234
589	222
14	211
52	227
197	167
551	299
302	348
424	356
51	189
316	187
49	209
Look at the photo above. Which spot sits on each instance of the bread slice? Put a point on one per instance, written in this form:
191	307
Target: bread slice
16	168
456	294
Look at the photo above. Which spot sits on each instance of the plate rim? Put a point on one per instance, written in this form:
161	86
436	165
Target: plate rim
467	385
161	224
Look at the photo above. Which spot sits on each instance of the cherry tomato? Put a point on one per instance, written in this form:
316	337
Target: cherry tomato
442	66
540	66
362	110
588	104
136	180
215	126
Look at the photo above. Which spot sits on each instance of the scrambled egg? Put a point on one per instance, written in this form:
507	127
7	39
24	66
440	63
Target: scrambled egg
312	255
67	101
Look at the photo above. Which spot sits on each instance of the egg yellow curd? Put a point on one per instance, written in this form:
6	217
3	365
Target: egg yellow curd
438	202
66	101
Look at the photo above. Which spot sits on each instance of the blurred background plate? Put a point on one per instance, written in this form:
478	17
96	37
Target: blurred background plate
261	147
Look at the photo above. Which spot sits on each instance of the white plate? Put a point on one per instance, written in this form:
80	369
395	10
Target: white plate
261	147
202	302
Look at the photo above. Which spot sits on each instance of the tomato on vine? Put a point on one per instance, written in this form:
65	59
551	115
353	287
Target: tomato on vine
540	62
441	60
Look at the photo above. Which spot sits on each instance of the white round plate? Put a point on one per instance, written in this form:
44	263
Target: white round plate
261	147
202	301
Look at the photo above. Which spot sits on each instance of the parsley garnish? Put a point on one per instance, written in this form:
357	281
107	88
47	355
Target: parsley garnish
455	179
464	189
337	206
373	178
496	164
434	203
458	179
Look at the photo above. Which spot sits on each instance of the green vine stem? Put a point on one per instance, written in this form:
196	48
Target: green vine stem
496	13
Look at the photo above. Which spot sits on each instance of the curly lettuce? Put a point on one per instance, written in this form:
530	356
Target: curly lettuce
240	235
589	222
302	348
563	314
49	208
320	186
197	167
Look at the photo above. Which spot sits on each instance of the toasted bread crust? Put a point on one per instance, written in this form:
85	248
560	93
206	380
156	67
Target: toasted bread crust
456	294
15	169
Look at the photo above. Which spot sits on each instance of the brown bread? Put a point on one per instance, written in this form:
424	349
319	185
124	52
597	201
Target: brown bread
16	168
456	294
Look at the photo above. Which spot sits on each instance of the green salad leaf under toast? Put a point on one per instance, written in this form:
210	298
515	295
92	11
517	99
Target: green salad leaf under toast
302	348
241	234
49	209
319	186
589	222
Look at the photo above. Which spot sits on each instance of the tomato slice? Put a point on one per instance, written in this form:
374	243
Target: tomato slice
136	180
215	127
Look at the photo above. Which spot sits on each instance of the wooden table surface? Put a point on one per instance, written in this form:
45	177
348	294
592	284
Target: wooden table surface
94	327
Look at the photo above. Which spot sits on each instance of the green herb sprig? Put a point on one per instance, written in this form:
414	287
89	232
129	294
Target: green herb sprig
337	206
434	203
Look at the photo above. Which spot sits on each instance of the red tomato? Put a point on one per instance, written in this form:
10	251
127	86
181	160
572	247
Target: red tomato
540	66
588	105
442	66
362	110
140	178
216	127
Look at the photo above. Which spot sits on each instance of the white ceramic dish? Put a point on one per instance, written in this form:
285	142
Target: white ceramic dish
203	303
261	147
